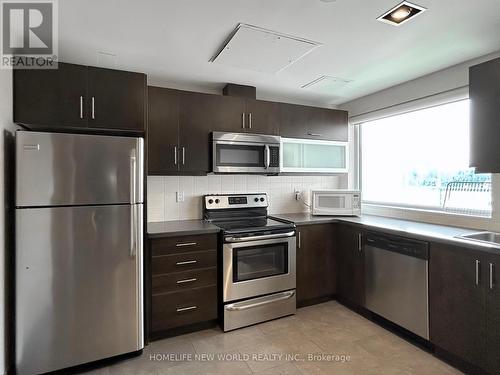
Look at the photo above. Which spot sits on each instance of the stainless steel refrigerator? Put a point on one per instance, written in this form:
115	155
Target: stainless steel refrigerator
79	230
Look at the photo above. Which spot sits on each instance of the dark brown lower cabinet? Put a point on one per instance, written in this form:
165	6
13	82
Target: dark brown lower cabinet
457	302
351	264
316	269
183	284
493	315
176	309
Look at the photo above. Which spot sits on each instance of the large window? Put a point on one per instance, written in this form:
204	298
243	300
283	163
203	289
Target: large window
421	160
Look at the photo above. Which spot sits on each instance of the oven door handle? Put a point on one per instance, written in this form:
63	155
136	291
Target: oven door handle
241	306
263	237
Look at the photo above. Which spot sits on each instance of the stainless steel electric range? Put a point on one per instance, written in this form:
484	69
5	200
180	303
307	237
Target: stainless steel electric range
257	260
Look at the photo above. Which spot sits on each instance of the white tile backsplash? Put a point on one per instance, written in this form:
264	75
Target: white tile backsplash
163	206
156	194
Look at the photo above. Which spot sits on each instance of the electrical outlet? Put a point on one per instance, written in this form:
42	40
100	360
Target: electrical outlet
298	195
179	196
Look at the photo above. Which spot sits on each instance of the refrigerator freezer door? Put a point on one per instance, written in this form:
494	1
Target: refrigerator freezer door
54	169
78	285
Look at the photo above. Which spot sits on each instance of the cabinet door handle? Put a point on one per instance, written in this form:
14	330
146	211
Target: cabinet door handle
183	155
93	108
243	120
175	155
186	262
187	281
250	121
298	239
492	276
314	134
181	244
81	106
478	266
189	308
360	241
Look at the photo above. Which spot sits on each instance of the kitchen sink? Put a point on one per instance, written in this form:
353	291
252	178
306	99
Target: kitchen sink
488	237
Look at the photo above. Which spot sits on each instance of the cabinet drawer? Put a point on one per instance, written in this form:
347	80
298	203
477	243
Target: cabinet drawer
183	262
178	281
176	309
175	245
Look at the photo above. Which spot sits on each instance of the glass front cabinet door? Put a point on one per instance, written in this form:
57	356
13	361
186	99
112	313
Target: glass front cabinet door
305	155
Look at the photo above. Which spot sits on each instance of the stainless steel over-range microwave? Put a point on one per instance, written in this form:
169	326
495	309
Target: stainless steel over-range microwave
245	153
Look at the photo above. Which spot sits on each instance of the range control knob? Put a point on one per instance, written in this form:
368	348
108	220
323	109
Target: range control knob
262	199
217	201
210	201
256	199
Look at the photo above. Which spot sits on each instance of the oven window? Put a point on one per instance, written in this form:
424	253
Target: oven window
239	155
255	262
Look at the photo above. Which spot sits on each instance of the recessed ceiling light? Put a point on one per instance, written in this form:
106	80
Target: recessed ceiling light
401	13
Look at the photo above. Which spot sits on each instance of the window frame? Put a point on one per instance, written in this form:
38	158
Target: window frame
403	209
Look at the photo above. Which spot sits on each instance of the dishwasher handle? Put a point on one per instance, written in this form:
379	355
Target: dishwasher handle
404	246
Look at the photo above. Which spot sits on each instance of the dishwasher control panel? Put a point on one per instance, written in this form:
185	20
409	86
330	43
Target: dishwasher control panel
404	246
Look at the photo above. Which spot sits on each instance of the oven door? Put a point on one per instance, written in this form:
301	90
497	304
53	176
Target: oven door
254	268
240	157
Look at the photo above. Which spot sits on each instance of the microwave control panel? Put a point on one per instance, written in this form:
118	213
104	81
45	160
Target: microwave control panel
274	152
355	201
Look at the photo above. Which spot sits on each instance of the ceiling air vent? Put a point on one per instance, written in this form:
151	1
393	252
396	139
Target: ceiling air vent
327	84
253	48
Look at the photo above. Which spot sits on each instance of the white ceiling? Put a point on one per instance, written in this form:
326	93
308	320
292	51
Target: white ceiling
173	40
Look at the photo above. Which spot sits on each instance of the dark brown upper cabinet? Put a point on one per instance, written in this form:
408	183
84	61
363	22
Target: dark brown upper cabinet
117	99
351	265
163	131
262	117
181	123
297	121
79	97
50	98
484	93
316	268
199	115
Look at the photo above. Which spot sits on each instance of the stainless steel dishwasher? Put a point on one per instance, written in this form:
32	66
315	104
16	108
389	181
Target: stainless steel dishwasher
396	282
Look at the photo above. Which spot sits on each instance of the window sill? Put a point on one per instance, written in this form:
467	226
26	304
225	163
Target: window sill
431	216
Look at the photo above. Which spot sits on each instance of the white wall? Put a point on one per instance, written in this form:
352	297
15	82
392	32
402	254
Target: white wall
162	205
433	84
7	128
444	80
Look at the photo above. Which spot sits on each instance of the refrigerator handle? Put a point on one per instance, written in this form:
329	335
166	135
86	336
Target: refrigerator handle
133	230
133	180
133	214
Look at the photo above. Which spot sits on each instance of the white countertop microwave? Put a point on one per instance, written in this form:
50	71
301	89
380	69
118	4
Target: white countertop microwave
336	202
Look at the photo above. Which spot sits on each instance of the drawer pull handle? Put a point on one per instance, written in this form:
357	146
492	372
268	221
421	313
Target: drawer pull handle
185	262
32	147
187	280
185	244
183	309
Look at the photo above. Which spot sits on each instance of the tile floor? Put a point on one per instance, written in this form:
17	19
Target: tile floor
355	346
